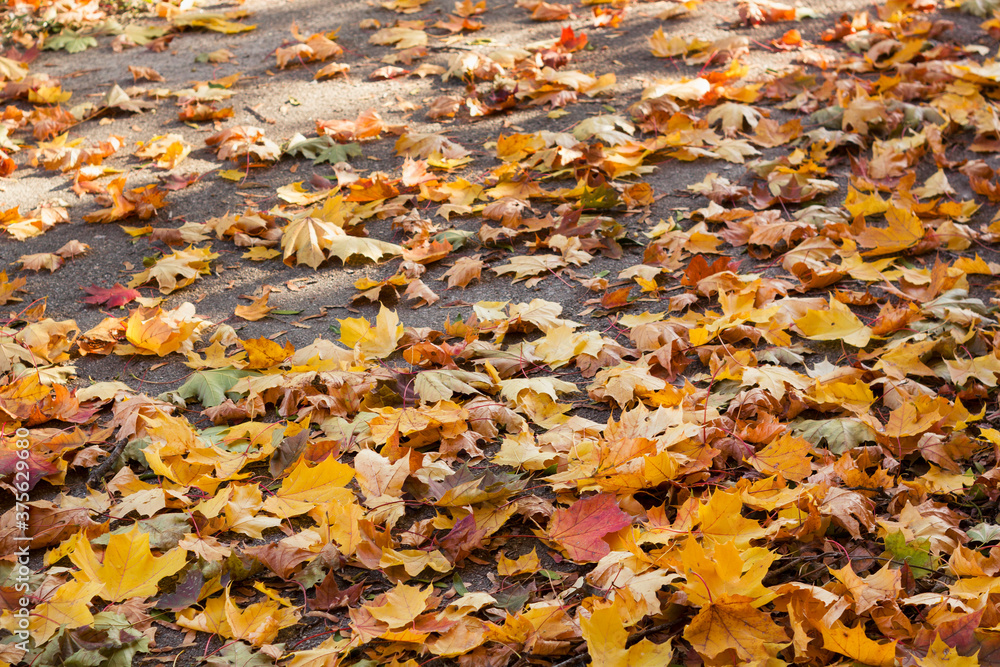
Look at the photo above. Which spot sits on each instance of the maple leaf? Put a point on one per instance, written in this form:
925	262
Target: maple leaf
70	41
155	331
258	623
525	266
215	22
836	323
117	98
403	38
853	643
128	569
39	261
247	142
68	606
306	239
416	145
606	639
176	270
904	231
210	387
722	521
9	287
377	341
141	202
731	623
464	271
755	12
257	310
580	528
869	591
306	487
602	127
112	297
12	70
786	456
734	116
526	564
166	151
146	73
400	606
322	149
344	246
625	382
433	386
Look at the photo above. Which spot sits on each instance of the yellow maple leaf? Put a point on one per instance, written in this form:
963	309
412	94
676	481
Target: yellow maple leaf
176	270
377	341
264	352
942	655
731	623
306	487
260	253
68	607
242	508
853	643
836	323
606	639
413	561
904	231
337	522
129	569
257	309
869	591
401	605
528	563
154	331
214	21
166	151
726	570
259	622
722	521
787	456
303	241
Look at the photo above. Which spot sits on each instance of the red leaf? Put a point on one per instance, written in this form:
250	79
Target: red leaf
38	467
179	181
113	297
579	529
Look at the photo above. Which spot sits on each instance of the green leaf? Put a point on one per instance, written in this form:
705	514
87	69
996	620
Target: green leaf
322	149
456	237
984	532
512	598
441	385
839	435
238	654
210	386
111	641
602	197
981	8
139	34
917	554
164	531
70	41
338	153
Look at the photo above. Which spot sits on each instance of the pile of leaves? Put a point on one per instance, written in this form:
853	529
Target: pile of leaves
766	439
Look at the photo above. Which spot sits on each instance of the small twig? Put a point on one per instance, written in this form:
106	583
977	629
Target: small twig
97	474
